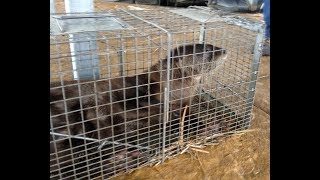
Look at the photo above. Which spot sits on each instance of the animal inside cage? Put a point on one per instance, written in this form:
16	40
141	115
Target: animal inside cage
132	88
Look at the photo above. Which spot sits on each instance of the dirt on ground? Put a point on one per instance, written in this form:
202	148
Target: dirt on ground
241	156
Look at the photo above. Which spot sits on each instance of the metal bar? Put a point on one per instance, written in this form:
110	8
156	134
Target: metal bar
167	97
121	53
79	63
254	71
202	33
82	16
103	142
55	150
52	9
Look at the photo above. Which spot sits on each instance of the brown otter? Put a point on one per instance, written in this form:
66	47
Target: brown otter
124	110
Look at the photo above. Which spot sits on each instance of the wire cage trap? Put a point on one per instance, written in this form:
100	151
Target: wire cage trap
132	88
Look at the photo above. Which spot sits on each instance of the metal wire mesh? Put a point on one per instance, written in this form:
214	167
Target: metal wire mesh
161	84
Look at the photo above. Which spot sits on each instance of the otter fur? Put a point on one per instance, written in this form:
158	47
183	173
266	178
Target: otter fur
124	110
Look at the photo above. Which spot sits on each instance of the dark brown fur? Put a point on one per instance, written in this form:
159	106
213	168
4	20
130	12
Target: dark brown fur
103	109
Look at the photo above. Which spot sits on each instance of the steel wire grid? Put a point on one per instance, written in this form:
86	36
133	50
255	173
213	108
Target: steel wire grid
124	119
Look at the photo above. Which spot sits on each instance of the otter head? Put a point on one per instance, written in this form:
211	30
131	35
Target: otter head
198	58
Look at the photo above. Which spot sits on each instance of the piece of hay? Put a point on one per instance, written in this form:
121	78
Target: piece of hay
183	151
196	146
200	150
